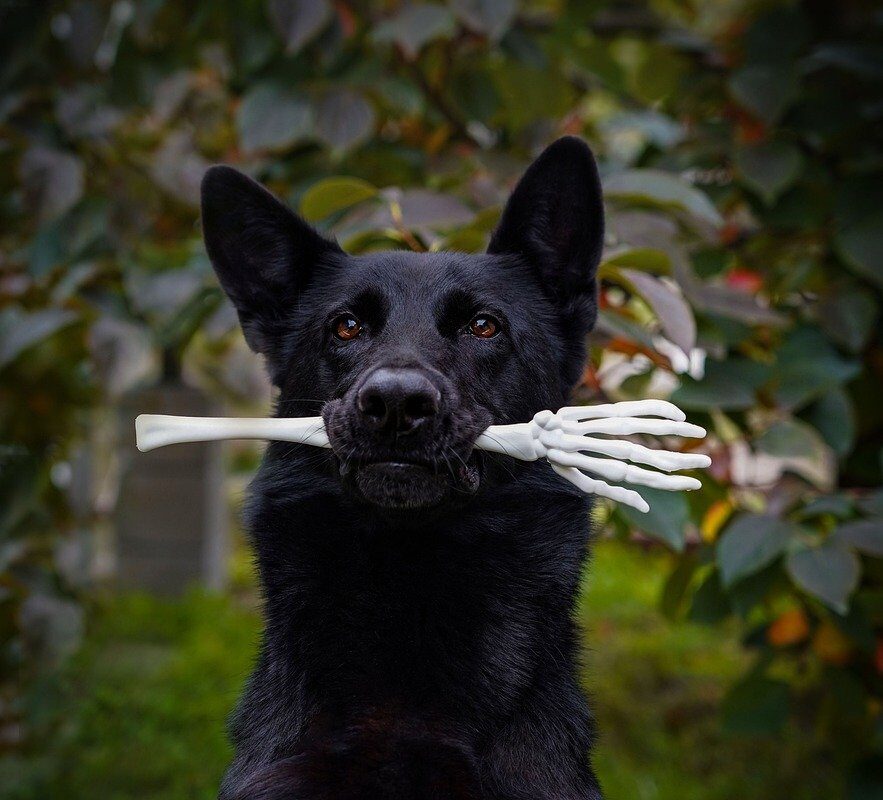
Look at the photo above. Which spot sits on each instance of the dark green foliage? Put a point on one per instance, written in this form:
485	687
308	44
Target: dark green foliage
740	148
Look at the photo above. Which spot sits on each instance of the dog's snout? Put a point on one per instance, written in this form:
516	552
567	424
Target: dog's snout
397	400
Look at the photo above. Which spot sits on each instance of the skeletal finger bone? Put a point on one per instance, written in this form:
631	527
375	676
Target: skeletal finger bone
589	485
630	451
628	408
625	473
624	426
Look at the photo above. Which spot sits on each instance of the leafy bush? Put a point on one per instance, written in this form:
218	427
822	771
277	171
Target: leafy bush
741	155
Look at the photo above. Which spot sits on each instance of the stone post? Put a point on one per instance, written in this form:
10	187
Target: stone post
171	517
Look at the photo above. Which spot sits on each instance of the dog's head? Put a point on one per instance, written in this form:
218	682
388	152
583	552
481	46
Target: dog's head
411	355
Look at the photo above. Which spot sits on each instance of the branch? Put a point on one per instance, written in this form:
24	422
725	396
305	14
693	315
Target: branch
437	99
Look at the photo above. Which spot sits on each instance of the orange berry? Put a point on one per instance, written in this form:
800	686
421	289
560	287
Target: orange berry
831	645
790	628
745	280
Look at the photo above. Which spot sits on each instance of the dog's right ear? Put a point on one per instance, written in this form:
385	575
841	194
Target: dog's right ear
262	251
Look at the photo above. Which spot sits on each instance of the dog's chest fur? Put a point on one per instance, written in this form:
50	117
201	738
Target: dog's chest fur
455	633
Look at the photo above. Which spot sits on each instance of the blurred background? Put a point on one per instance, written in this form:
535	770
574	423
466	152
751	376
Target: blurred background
734	636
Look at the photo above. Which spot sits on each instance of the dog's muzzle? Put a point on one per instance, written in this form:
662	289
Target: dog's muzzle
400	438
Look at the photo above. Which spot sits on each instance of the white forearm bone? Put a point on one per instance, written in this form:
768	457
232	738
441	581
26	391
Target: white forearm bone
159	430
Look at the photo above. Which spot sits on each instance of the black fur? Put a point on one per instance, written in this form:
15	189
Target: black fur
418	594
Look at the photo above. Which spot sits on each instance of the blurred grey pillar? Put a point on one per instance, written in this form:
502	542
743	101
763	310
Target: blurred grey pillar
171	517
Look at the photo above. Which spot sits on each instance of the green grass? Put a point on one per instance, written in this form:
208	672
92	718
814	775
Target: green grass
142	707
656	688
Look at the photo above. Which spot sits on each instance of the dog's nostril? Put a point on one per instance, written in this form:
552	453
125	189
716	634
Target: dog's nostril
419	406
372	405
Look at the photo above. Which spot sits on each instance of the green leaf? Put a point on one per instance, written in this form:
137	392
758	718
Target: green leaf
799	448
299	21
414	26
847	313
672	311
179	329
22	479
658	74
273	118
860	244
833	416
464	240
662	189
872	503
645	259
746	593
723	301
424	208
332	195
727	385
749	543
756	705
528	94
475	92
53	181
769	168
862	58
344	118
768	90
710	603
865	535
616	324
490	17
829	572
676	585
859	225
666	520
836	505
788	439
807	367
777	35
20	331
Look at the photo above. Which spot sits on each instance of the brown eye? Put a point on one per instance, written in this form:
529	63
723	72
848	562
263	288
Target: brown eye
347	327
484	327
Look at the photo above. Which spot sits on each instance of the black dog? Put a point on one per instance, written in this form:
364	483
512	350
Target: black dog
418	595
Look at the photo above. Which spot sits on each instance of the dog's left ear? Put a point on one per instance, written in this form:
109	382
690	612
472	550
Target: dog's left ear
555	220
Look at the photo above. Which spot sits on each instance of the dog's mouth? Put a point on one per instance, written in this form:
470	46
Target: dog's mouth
417	468
404	482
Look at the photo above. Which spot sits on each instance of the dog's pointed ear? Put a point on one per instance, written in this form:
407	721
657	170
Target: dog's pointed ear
263	253
555	220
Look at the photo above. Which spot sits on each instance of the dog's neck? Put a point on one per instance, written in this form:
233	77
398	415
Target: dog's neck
366	603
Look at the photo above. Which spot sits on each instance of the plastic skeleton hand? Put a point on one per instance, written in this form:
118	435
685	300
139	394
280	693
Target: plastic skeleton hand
563	439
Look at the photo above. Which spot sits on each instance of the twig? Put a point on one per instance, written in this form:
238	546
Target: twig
436	98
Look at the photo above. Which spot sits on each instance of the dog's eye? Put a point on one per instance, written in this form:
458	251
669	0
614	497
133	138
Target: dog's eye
484	326
346	327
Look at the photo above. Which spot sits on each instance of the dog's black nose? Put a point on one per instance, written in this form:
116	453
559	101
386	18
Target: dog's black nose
397	400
